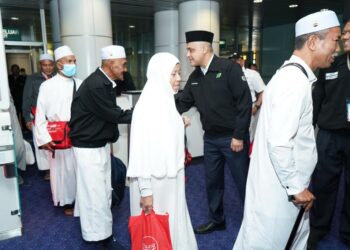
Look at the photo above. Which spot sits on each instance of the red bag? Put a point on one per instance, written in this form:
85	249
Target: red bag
59	134
188	157
33	111
150	232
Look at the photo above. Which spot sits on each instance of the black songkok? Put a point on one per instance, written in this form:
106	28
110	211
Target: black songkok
199	36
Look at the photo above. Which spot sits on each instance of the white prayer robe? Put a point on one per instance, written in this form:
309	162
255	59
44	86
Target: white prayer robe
54	104
283	159
157	152
42	156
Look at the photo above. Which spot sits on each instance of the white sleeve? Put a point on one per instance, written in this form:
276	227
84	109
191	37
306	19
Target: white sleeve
257	82
287	109
145	186
42	136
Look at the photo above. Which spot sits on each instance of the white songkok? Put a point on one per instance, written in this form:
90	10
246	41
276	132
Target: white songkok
62	52
321	20
46	57
112	52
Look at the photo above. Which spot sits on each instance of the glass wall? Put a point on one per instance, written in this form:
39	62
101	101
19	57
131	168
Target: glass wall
137	36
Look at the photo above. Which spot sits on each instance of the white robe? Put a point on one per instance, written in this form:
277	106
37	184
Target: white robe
283	159
157	151
94	192
42	156
54	104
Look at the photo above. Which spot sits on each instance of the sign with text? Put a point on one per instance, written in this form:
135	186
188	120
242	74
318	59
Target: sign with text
11	34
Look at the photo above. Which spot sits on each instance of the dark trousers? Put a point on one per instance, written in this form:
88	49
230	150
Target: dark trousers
217	152
333	158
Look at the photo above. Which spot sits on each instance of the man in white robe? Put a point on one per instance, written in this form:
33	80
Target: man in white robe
284	153
94	124
54	104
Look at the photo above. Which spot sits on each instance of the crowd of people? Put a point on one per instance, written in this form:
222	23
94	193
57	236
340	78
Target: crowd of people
236	110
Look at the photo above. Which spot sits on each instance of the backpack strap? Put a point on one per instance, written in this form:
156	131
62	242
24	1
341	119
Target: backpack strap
298	66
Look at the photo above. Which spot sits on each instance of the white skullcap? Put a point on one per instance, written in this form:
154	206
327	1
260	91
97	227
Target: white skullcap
112	52
46	57
62	52
321	20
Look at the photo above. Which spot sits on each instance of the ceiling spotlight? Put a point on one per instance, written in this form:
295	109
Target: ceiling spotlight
14	18
131	26
258	1
293	6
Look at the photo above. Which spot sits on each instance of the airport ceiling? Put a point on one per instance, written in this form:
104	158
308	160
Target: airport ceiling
234	14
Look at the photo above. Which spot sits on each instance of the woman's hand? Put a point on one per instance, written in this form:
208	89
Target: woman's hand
186	120
146	204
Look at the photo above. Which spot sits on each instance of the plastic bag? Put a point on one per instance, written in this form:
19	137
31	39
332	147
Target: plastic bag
150	232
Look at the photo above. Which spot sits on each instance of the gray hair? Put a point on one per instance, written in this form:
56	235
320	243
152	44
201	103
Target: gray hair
301	40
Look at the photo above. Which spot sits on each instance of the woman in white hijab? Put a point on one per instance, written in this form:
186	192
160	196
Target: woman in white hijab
156	165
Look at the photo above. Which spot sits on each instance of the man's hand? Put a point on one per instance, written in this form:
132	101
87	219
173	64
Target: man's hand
305	199
48	146
236	145
29	125
146	204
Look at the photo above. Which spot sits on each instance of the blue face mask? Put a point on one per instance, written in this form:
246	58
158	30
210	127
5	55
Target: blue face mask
69	70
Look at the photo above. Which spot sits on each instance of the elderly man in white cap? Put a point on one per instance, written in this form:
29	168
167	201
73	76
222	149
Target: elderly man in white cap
53	105
94	120
30	96
284	153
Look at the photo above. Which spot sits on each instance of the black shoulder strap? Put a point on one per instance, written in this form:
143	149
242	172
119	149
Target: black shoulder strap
74	88
298	66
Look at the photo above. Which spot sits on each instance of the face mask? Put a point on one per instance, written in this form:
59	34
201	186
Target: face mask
69	70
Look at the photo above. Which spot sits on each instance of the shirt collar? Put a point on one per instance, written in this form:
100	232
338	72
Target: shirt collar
310	73
113	82
205	70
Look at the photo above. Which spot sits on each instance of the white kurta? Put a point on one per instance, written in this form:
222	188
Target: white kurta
283	159
54	103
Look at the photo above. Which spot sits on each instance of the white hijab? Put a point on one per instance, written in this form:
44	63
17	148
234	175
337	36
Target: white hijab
157	129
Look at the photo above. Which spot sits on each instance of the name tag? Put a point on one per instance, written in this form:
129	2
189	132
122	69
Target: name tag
194	83
332	75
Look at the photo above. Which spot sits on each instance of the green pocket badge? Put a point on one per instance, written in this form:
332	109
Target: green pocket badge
218	75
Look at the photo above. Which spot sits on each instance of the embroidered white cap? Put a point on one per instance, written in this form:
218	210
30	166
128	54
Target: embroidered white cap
46	57
317	21
62	52
112	52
